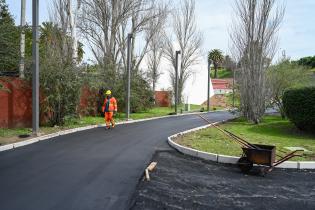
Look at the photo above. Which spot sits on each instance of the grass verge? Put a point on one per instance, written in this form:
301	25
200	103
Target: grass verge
271	131
10	135
222	74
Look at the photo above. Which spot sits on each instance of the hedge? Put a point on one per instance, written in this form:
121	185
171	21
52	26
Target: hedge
299	106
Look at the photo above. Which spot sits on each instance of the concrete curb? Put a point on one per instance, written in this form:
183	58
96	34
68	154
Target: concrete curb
73	130
225	158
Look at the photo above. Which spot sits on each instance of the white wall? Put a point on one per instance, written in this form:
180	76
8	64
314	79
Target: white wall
196	86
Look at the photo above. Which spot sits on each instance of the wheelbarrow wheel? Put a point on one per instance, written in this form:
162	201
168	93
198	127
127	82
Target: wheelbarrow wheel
245	164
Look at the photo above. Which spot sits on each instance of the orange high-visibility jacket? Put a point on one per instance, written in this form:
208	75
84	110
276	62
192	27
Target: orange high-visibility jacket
112	104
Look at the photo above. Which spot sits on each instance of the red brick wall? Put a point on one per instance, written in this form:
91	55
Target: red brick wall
16	105
163	98
88	102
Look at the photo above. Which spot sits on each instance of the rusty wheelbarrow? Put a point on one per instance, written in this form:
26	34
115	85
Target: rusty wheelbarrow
259	154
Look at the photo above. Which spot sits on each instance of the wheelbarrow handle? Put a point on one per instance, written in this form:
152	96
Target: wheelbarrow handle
239	140
288	156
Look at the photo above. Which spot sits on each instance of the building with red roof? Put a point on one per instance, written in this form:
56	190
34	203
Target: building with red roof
222	86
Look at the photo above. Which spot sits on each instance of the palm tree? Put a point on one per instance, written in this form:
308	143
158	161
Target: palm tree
217	58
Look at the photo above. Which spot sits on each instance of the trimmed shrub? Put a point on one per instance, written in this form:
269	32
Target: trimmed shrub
299	106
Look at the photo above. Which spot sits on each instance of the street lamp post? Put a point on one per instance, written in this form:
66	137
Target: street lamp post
233	88
22	43
35	66
208	85
128	75
176	79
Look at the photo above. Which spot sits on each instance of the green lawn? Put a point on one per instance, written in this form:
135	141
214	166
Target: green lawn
272	131
229	98
11	135
222	74
157	112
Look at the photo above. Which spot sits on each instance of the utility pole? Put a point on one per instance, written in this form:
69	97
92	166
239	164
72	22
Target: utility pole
234	87
22	41
128	75
35	66
176	80
208	85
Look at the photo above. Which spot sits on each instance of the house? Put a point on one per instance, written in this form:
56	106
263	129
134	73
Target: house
222	86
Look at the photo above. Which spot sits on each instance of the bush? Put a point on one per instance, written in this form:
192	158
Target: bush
299	106
59	77
307	61
282	76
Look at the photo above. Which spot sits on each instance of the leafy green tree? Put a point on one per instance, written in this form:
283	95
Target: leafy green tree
9	40
283	76
217	58
60	79
307	61
5	15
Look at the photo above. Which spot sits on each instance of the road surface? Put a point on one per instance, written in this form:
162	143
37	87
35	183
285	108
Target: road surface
184	182
93	169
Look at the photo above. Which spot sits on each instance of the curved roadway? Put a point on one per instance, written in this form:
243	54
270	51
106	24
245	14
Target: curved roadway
93	169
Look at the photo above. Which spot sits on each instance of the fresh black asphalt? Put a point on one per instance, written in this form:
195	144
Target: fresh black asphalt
183	182
93	169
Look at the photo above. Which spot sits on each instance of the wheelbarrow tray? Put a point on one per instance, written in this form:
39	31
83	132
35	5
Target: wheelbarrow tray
262	155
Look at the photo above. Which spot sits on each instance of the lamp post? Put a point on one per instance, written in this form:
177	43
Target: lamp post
233	88
22	43
128	75
208	85
35	66
176	79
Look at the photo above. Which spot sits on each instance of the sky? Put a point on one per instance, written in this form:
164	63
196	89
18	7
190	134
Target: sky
296	35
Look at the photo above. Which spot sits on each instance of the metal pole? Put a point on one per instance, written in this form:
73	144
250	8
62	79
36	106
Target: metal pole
128	75
208	85
176	80
233	87
22	44
35	66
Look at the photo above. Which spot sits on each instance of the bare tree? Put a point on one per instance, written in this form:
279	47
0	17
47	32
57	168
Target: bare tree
254	41
155	36
100	22
105	25
60	16
154	58
146	18
189	41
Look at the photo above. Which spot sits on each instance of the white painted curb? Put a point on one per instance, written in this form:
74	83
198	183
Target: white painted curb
225	158
73	130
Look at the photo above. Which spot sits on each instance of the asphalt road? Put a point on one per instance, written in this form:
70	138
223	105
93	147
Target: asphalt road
183	182
93	169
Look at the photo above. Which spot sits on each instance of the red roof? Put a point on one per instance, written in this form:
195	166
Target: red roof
220	84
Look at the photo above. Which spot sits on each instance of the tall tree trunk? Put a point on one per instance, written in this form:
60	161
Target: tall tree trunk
73	20
153	84
254	40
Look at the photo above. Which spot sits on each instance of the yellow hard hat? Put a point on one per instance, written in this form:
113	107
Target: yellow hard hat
108	92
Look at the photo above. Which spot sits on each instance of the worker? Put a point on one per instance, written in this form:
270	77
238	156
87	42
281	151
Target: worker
110	109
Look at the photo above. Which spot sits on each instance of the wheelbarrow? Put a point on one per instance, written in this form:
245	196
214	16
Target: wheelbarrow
258	154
